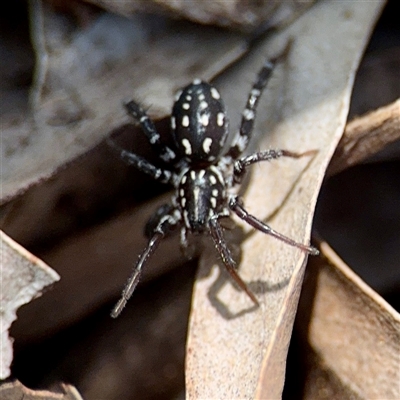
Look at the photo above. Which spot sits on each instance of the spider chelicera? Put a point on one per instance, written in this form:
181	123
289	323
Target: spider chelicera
203	177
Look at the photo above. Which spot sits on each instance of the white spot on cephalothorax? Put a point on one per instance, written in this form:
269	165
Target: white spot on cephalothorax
187	146
207	142
193	175
204	119
215	94
185	121
188	97
202	172
201	96
186	106
203	105
213	202
196	192
173	123
215	192
248	114
213	180
218	174
220	119
196	81
186	218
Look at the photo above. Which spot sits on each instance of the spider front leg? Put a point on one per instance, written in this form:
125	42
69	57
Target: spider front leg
149	129
223	250
160	174
241	165
235	204
242	138
165	220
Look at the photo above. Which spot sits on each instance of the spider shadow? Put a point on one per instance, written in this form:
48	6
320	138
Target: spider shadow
234	238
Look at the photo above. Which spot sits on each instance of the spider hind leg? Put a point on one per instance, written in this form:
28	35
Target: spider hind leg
223	250
235	204
164	221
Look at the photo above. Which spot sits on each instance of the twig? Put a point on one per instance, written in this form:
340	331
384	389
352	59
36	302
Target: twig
365	136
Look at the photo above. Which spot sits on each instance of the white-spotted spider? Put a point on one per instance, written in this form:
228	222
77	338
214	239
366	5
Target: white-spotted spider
201	175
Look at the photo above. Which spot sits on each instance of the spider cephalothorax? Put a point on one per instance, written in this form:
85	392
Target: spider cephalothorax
200	172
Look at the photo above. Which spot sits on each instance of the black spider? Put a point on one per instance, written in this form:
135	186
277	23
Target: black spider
201	175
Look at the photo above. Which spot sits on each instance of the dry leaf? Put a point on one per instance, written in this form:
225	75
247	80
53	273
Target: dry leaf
94	266
247	16
16	391
124	59
23	277
234	350
365	136
352	335
310	103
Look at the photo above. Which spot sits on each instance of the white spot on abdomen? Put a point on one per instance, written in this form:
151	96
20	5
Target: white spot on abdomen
204	119
215	94
207	145
185	121
203	105
220	118
187	146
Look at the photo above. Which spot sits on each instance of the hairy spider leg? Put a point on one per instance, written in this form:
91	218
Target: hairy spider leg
149	129
169	220
235	204
133	279
129	158
241	165
223	250
243	136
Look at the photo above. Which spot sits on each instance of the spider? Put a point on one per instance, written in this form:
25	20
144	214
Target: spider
203	177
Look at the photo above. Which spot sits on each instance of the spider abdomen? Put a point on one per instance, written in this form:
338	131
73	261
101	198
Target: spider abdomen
201	195
199	123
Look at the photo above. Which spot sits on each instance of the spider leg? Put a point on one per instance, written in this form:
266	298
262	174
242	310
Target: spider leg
149	129
129	158
241	165
242	138
168	220
236	205
223	250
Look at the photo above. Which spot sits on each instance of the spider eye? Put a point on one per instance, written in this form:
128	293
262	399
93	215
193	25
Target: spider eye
199	123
